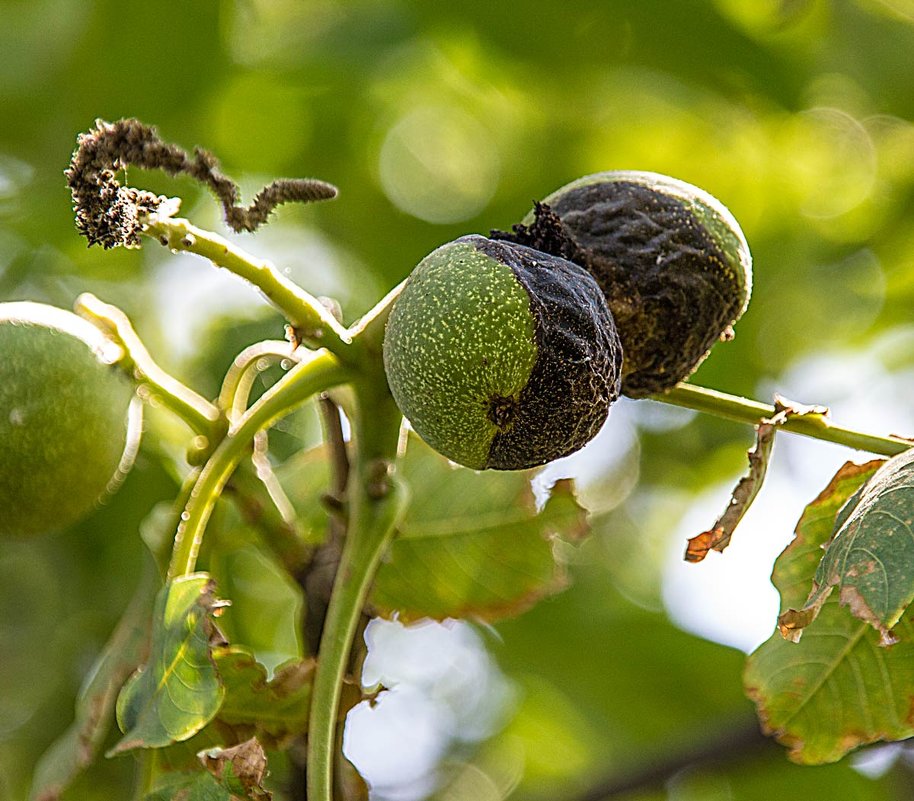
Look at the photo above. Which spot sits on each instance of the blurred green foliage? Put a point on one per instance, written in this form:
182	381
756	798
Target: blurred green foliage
438	119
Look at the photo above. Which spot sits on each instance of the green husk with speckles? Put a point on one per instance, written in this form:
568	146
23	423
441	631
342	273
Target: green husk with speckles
501	356
63	418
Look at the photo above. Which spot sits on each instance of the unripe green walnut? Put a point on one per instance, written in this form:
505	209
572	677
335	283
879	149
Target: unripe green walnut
63	417
501	356
670	258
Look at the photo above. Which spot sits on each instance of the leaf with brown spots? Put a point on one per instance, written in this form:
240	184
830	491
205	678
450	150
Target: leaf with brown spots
836	689
241	769
870	557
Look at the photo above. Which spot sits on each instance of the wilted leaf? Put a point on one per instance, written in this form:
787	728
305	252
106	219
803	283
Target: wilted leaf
275	709
213	773
718	537
178	692
870	558
836	689
240	769
78	747
473	544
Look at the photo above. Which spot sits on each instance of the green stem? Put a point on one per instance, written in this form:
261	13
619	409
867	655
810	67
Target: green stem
309	377
744	410
236	386
313	323
370	326
376	502
264	505
202	416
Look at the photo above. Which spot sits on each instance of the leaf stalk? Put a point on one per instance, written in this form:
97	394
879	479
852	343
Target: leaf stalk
307	378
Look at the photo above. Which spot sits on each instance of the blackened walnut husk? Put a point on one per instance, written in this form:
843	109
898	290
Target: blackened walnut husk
576	375
670	259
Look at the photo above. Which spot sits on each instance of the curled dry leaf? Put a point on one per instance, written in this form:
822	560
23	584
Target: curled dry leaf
718	537
241	768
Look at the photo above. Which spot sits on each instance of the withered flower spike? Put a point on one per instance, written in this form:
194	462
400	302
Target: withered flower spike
108	213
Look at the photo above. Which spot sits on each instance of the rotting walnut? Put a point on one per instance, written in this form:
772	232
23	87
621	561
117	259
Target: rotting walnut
670	258
502	356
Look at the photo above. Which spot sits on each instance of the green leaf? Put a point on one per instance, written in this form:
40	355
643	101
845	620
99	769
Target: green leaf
191	786
835	689
473	544
78	747
305	478
870	558
179	690
266	603
275	709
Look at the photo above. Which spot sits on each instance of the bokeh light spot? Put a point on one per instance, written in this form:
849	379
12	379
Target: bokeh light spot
439	164
830	161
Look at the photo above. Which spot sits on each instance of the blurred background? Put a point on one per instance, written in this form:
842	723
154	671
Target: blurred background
439	119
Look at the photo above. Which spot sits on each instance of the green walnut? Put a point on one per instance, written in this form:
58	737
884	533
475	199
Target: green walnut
502	356
63	418
670	258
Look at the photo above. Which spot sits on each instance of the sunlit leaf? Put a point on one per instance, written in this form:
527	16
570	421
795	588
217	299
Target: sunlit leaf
178	692
835	689
473	544
276	708
870	558
78	747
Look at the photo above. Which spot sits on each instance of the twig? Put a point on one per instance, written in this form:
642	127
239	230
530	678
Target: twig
304	380
317	580
743	410
202	416
313	322
236	386
261	505
376	501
